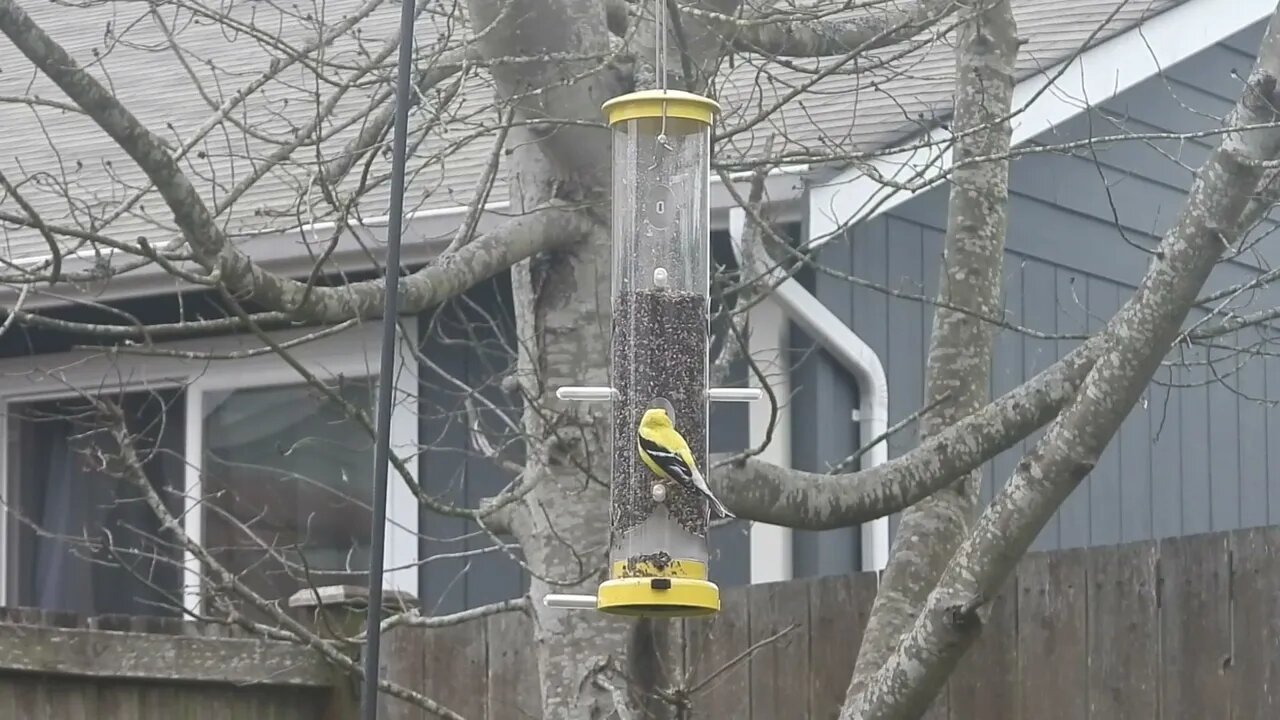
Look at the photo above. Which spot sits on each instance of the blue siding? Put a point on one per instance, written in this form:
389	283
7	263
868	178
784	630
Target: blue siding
1251	446
824	433
822	436
1194	454
730	543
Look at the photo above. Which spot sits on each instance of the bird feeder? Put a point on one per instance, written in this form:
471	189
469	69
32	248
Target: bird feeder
661	309
658	555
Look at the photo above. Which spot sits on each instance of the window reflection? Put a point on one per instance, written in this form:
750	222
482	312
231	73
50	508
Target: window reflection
82	538
286	470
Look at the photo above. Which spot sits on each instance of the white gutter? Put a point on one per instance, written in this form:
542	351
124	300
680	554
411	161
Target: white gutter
858	359
767	336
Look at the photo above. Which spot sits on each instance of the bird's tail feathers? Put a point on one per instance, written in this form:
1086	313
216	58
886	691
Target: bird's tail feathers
706	490
724	511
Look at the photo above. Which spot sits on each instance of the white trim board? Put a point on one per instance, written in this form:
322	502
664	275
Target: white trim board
1091	77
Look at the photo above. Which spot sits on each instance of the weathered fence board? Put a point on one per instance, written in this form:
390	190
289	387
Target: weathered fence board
1255	584
97	699
99	653
455	667
1052	612
831	663
940	709
1123	647
1195	628
780	667
1185	628
61	670
404	660
513	673
719	670
986	683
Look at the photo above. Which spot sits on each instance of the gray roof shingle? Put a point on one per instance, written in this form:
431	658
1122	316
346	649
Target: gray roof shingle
845	112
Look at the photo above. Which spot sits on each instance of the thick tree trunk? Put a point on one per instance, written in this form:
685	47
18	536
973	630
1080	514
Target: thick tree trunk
959	364
563	305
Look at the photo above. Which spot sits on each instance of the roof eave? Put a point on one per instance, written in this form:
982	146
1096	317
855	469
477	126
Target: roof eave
1046	100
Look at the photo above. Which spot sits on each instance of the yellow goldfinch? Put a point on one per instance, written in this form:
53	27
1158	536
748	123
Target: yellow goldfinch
666	453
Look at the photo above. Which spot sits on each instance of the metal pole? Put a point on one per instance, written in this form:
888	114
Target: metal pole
386	367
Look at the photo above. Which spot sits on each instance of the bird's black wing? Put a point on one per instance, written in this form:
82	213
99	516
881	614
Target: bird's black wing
670	462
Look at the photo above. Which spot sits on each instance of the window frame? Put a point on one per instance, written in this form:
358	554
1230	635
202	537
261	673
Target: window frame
352	351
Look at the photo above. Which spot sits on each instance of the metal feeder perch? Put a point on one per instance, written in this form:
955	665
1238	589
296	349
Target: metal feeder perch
658	560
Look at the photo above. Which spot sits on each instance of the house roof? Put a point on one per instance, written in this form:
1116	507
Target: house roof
859	111
849	110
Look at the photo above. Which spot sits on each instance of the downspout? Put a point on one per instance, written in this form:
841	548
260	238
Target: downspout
857	358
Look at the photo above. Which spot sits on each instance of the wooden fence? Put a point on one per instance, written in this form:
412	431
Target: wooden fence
1185	629
59	667
1181	629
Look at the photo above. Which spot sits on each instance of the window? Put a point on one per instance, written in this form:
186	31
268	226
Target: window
83	538
287	475
260	467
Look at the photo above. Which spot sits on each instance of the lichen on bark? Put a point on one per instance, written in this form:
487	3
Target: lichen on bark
959	361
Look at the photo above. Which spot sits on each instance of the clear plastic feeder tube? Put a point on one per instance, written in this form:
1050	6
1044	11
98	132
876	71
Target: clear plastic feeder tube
661	304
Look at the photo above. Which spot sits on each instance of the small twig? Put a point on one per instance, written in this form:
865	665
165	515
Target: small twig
741	657
55	253
17	308
414	619
882	437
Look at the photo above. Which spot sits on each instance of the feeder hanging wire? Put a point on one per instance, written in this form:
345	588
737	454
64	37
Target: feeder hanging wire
660	61
386	366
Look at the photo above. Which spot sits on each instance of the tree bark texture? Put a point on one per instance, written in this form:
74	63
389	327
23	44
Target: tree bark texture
563	302
958	370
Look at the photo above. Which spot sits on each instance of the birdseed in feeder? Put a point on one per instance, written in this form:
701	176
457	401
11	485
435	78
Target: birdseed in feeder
659	350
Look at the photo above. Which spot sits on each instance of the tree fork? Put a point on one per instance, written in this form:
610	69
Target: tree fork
1135	341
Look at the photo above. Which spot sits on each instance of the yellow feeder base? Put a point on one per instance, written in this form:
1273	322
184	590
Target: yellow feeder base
658	597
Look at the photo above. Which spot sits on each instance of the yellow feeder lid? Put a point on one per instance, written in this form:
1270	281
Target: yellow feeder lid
660	103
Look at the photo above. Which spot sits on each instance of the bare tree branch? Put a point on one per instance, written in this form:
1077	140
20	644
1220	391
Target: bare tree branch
55	252
293	143
776	31
757	490
760	491
114	423
522	237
